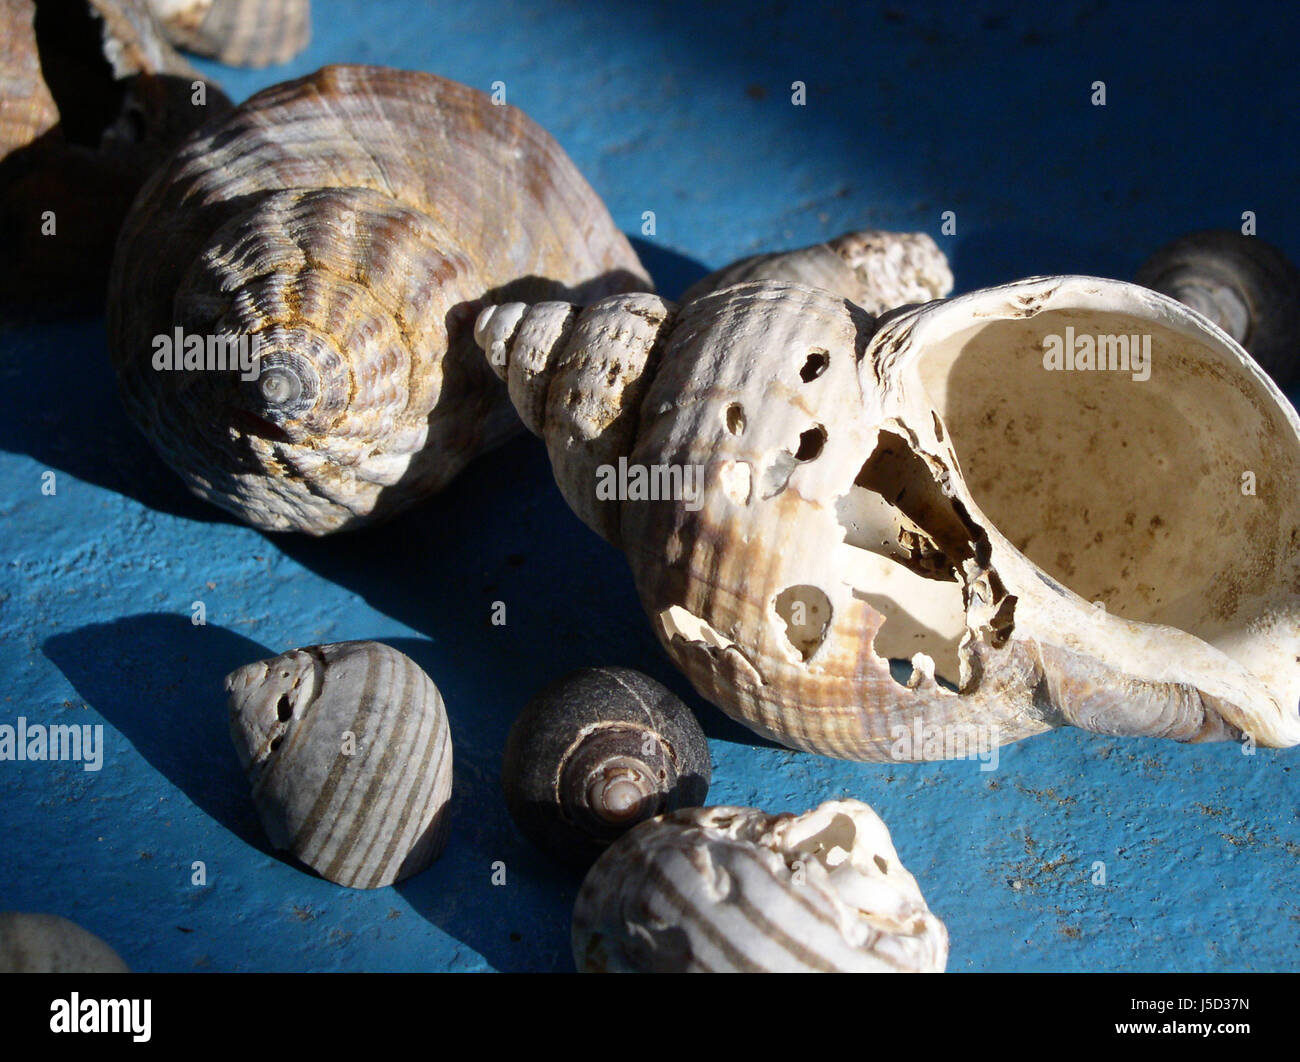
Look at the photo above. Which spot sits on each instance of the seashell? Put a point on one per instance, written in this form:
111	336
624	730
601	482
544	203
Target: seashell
46	943
1244	285
238	32
596	752
733	890
877	270
1114	550
348	751
92	98
353	223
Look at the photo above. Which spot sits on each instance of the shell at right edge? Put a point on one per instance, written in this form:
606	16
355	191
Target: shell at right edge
729	889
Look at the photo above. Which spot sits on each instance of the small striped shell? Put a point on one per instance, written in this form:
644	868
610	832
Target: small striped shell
729	889
348	752
874	269
46	943
238	32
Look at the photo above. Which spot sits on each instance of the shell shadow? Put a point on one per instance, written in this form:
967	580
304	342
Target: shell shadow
59	405
489	889
156	678
672	273
501	533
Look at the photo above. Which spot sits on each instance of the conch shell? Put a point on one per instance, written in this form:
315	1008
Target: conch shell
238	32
340	232
92	99
735	890
1113	548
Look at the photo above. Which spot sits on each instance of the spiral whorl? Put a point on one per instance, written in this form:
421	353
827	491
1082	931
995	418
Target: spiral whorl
577	379
346	229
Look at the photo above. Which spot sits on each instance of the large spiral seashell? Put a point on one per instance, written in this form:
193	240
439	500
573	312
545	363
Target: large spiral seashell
46	943
875	269
348	752
342	231
1112	548
735	890
596	752
92	99
238	32
1244	285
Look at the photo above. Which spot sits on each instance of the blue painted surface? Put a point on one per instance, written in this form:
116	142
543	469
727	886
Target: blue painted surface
684	110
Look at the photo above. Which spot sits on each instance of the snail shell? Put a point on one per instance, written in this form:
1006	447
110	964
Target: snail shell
1244	285
238	32
731	890
1046	547
877	270
92	99
353	222
46	943
348	752
596	752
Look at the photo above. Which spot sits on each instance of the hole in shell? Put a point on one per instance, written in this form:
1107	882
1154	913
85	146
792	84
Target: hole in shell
881	863
811	443
283	709
735	418
815	365
276	742
938	427
806	611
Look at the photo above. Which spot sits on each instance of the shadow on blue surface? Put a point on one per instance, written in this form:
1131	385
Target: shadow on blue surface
59	405
160	687
672	273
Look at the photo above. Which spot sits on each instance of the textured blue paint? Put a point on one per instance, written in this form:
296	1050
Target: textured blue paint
683	110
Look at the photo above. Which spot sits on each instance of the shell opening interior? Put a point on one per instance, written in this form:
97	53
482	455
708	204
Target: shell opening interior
1157	482
909	542
89	97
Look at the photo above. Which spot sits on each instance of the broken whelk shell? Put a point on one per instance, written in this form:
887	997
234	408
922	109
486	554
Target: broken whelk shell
239	32
348	752
875	269
1244	285
46	943
1089	547
336	235
728	889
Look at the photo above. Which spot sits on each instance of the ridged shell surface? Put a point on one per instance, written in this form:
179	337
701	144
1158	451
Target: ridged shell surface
874	269
46	943
729	889
238	32
348	751
1031	544
351	224
596	752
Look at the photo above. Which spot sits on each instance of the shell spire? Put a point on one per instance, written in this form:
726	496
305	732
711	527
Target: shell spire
334	238
840	546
